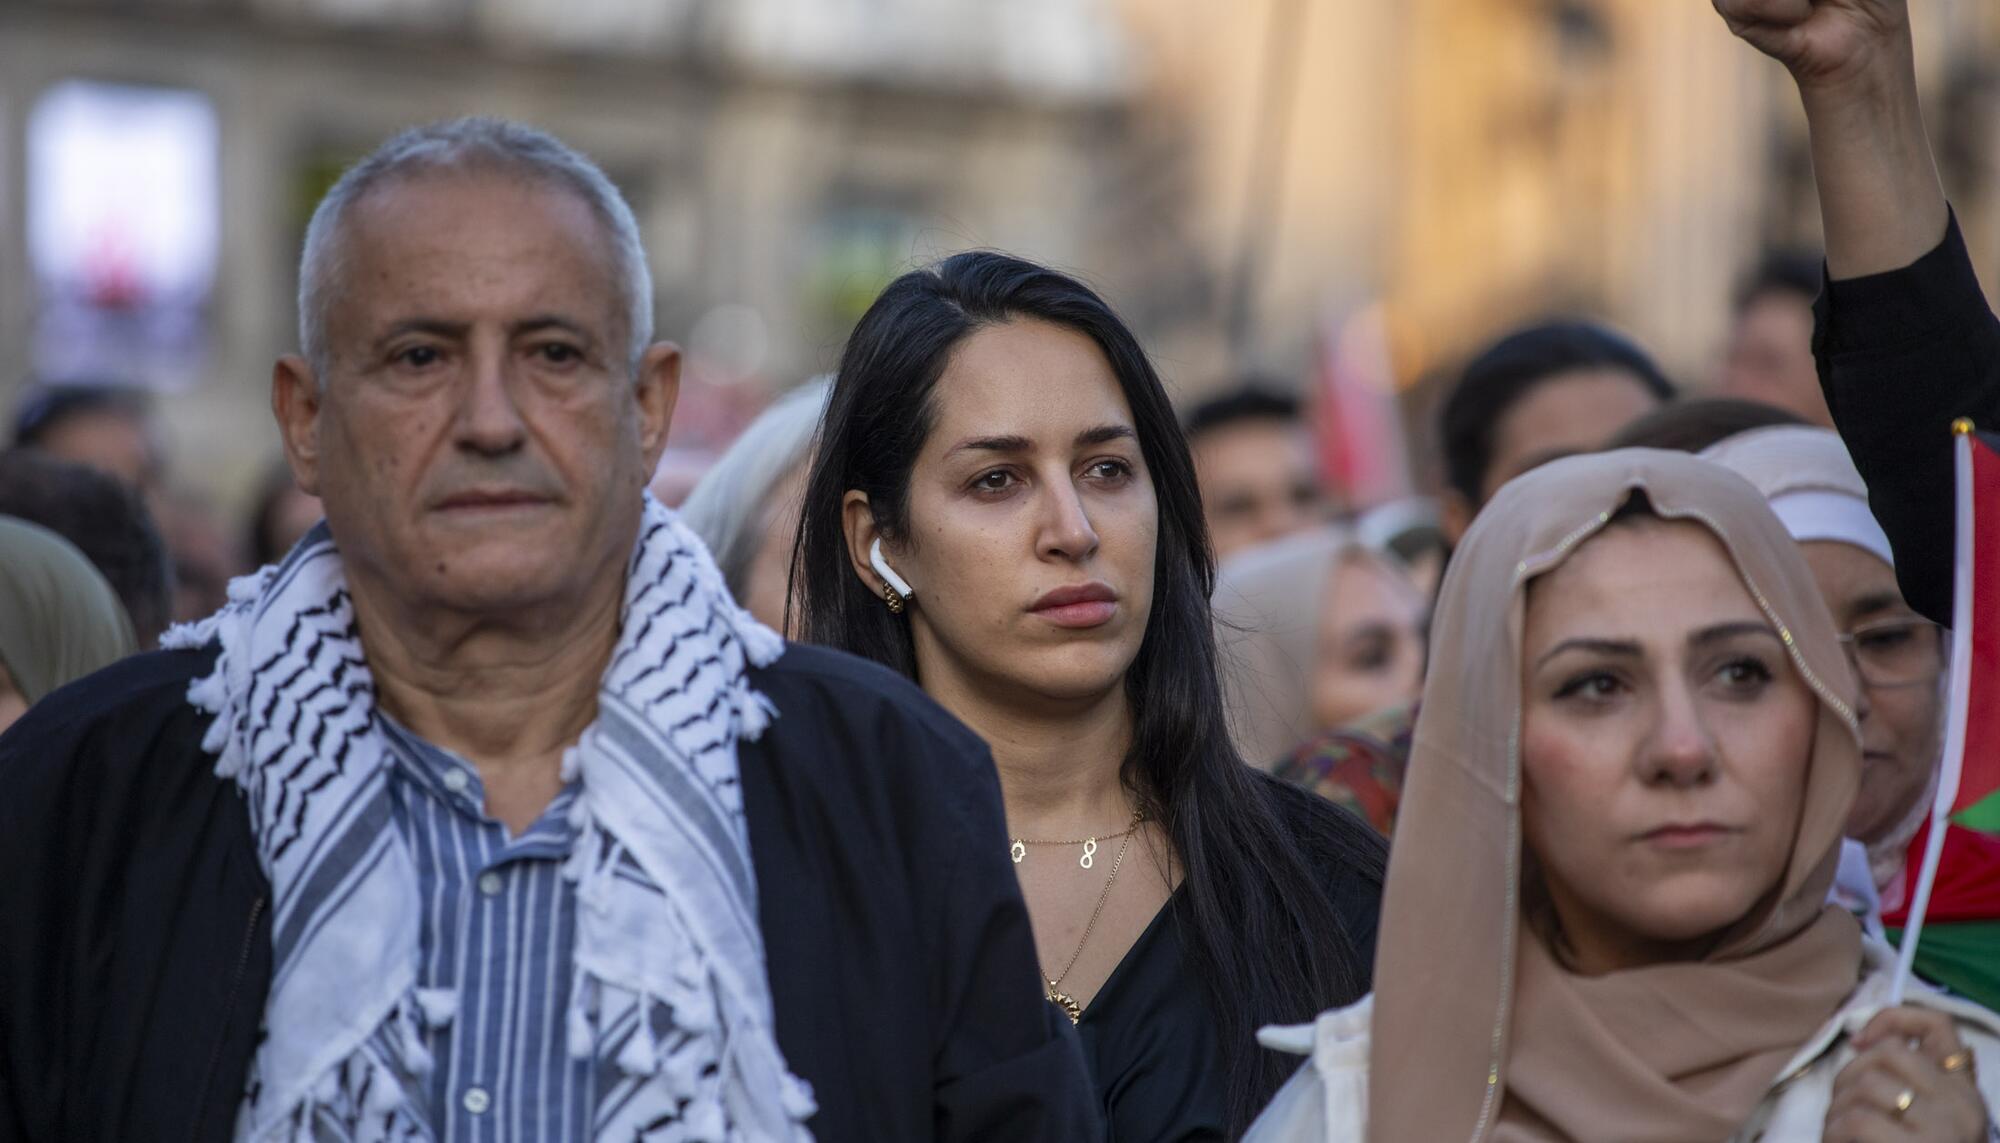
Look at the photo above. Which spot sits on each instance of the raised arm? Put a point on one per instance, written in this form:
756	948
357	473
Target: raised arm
1857	76
1905	341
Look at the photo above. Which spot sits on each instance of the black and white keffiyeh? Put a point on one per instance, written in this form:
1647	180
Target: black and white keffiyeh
669	980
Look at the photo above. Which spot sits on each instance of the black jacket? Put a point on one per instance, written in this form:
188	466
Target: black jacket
135	937
1901	355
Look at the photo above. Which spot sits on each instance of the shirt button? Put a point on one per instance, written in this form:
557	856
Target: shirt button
477	1101
490	884
456	780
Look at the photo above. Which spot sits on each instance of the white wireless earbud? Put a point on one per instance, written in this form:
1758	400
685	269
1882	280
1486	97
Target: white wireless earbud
888	573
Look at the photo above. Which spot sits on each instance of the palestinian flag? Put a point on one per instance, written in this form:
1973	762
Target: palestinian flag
1950	929
1960	943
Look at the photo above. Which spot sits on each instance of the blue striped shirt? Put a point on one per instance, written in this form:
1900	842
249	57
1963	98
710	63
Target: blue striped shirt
499	926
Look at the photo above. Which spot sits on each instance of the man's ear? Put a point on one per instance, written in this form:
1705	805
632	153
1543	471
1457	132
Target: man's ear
857	522
658	389
1455	514
295	404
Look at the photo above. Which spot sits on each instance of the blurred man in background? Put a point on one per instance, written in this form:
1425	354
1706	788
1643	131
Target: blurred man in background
1539	393
1770	356
109	428
112	429
1253	456
105	520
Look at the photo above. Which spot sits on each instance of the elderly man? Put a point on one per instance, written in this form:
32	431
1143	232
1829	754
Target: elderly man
486	813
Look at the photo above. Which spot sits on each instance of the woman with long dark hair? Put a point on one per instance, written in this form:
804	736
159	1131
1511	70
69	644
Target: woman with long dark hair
1003	508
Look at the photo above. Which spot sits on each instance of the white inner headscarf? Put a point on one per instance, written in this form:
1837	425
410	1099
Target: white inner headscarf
1810	482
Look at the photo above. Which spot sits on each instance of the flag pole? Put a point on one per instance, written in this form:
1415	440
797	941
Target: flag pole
1952	764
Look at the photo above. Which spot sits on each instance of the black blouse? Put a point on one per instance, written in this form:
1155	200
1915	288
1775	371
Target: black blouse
1154	1051
1151	1046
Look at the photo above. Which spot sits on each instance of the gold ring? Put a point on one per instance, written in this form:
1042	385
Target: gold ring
1958	1061
1904	1099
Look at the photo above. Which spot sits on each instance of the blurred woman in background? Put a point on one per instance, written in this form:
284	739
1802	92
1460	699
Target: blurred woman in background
746	507
59	619
281	513
1316	632
1003	508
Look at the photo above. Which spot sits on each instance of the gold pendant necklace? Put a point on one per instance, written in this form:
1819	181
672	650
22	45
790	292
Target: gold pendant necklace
1053	988
1019	849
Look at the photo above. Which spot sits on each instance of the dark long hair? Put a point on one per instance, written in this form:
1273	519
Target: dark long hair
1258	929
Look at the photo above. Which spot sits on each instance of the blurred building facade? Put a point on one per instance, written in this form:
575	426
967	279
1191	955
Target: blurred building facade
1475	163
785	157
1232	176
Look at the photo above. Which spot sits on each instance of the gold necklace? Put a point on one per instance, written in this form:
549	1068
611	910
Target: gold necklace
1019	849
1053	988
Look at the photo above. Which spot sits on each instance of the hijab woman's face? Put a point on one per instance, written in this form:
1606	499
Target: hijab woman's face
1900	657
1371	642
13	704
1665	739
1033	524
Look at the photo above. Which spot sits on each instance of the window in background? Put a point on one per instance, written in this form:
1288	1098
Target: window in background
123	209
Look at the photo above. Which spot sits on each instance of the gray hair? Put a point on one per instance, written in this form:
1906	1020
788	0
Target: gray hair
472	144
730	506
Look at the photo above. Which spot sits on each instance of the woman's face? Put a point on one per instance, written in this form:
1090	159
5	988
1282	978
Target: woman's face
1033	525
767	582
1900	659
13	704
1665	739
1371	649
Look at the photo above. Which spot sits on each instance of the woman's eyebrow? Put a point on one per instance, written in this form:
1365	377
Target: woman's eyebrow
1722	631
1011	443
1624	648
1874	603
991	444
1369	629
1105	434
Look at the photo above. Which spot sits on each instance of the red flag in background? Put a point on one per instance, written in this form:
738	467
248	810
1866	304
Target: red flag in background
1357	419
1977	802
1955	884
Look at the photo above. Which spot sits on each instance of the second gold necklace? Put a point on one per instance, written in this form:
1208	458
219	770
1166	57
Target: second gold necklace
1052	986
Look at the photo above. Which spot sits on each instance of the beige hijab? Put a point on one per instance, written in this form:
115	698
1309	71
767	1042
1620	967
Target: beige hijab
59	619
1269	602
1478	1033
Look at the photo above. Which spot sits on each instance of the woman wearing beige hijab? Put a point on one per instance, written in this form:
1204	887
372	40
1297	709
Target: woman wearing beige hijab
59	619
1605	915
1316	631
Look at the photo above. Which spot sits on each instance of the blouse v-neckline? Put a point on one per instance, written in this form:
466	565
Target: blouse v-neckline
1146	937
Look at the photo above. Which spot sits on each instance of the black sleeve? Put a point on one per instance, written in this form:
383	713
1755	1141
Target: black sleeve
128	985
32	1039
1901	355
989	992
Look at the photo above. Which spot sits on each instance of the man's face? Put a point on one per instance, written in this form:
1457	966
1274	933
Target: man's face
479	440
1257	481
1770	357
109	441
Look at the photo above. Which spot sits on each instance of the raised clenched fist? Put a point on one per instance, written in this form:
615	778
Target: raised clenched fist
1822	42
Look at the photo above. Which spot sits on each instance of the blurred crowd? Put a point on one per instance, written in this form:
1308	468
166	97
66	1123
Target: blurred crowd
87	461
